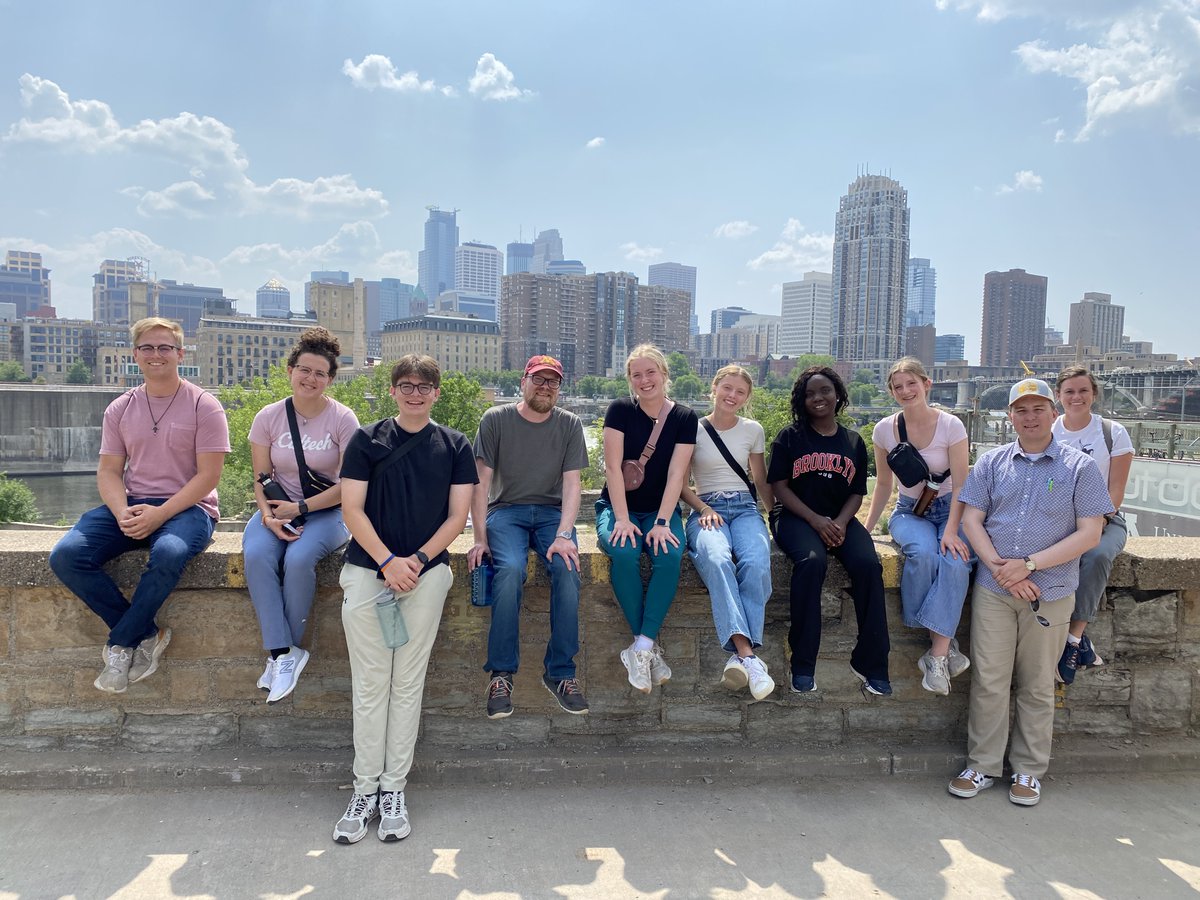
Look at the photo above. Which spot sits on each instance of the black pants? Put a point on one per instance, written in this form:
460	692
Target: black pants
810	560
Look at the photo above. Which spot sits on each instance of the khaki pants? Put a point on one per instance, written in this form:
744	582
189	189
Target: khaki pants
1005	635
387	684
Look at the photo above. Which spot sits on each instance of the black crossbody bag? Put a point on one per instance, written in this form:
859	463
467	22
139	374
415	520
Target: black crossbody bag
910	467
311	483
733	463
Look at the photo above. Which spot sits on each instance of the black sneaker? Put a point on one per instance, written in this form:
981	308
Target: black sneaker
880	687
499	695
1068	663
568	695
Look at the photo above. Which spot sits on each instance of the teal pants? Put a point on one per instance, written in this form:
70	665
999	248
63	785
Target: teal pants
644	609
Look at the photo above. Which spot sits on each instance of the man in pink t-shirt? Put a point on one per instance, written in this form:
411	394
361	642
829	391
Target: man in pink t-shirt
162	448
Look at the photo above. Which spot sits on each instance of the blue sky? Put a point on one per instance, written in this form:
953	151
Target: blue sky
234	142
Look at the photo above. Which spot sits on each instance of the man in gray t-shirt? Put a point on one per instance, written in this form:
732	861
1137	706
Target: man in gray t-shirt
529	455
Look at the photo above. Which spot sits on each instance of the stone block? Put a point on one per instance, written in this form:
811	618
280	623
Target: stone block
30	742
1162	699
800	719
69	719
1105	686
1145	628
5	613
598	723
189	685
470	732
51	686
320	694
1165	565
178	732
209	624
293	733
10	718
884	717
54	618
1189	607
10	688
1102	721
240	682
707	717
327	640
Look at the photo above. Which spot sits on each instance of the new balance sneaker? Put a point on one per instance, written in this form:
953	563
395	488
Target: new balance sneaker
659	670
147	654
287	671
637	664
1088	657
735	677
968	783
761	684
1025	791
268	675
1068	664
393	817
956	663
352	826
568	694
880	687
936	673
803	684
499	695
114	677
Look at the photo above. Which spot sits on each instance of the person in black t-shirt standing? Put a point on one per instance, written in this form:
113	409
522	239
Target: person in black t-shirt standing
818	472
646	518
402	512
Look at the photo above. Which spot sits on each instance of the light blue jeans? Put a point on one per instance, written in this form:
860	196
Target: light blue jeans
933	585
734	561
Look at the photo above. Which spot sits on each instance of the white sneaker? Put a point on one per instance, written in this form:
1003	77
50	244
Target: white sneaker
147	654
637	664
352	826
114	677
287	670
734	677
659	670
393	816
937	675
267	678
761	684
956	663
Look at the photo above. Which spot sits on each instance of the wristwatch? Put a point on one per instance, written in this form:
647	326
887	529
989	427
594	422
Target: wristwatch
1030	564
421	558
663	522
303	507
565	535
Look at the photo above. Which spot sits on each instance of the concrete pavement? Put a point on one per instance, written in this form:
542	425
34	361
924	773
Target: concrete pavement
1125	836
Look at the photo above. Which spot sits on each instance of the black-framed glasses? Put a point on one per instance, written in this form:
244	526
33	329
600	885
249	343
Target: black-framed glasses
160	349
1034	606
543	381
407	387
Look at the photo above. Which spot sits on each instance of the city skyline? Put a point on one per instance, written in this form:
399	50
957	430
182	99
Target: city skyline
1007	164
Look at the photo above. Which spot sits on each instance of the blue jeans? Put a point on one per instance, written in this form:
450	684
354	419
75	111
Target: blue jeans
512	531
645	609
282	575
734	561
933	584
78	560
1095	566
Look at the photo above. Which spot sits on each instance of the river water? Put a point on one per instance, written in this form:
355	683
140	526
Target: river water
64	497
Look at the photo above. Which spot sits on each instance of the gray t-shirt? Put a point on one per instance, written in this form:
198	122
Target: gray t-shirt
528	458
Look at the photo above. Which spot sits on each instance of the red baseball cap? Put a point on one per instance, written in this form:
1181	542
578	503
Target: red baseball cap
543	363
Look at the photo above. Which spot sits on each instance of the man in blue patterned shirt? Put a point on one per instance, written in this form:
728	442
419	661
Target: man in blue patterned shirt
1032	508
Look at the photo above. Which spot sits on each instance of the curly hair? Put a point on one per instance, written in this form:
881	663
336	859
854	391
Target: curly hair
799	413
320	341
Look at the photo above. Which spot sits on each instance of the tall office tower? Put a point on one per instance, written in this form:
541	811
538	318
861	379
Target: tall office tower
477	270
25	283
673	275
342	308
435	264
726	317
566	267
870	254
547	248
921	278
1097	322
520	258
182	303
806	311
323	277
1014	317
547	314
949	348
273	300
110	288
395	300
694	324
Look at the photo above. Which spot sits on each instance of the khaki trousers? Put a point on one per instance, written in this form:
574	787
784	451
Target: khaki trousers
1006	636
387	684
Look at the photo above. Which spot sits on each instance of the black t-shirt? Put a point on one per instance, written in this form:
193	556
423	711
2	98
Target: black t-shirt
408	502
822	471
680	428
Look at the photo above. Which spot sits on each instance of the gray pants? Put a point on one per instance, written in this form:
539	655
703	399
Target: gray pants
1094	568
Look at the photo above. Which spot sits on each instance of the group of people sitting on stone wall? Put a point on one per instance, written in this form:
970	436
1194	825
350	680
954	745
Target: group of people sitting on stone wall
1040	514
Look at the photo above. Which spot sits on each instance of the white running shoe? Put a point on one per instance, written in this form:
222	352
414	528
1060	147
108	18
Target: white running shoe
267	678
352	826
637	664
114	677
287	670
761	684
937	673
659	670
734	677
393	816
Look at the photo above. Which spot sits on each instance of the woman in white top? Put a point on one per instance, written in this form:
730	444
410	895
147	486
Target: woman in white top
937	559
1112	450
727	538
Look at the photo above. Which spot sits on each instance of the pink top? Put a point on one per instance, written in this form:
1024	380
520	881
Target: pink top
323	438
158	465
948	432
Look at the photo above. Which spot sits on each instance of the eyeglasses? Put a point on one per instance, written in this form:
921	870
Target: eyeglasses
543	381
160	349
306	372
407	387
1034	606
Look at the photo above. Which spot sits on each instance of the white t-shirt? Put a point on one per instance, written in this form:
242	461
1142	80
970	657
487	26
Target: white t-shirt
709	469
948	432
1090	440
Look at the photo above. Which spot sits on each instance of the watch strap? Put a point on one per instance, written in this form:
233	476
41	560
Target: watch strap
663	522
421	557
303	506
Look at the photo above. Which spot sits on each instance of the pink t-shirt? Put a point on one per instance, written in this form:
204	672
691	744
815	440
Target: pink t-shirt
948	432
323	438
158	465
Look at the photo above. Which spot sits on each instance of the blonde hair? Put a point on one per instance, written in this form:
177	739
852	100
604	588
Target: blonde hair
912	366
652	353
732	371
141	326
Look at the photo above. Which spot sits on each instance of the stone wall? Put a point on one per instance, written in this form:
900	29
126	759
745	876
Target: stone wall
204	695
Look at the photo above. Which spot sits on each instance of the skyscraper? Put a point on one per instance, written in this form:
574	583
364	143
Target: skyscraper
726	317
870	254
477	270
1097	322
566	267
395	300
949	348
674	275
110	288
922	293
806	311
435	264
24	282
273	300
1014	317
547	248
520	257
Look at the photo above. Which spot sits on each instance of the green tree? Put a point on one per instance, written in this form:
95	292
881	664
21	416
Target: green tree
242	403
593	476
79	373
687	387
862	394
863	376
590	386
13	372
677	365
16	501
461	404
867	434
772	410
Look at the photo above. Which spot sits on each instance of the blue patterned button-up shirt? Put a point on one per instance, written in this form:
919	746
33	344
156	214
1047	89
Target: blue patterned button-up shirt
1032	504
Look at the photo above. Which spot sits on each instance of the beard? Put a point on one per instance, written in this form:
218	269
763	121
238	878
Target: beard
540	403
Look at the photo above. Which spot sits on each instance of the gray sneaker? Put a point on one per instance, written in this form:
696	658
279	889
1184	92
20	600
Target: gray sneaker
352	826
937	675
393	816
956	662
659	670
147	654
114	677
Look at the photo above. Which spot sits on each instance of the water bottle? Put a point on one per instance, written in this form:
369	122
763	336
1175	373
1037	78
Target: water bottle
481	582
391	619
274	491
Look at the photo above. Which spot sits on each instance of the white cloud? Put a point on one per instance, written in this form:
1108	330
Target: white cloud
635	252
797	250
1072	11
204	146
377	71
493	80
595	143
739	228
1025	180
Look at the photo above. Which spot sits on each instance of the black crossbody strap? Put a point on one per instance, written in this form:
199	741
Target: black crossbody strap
936	479
399	453
297	443
733	463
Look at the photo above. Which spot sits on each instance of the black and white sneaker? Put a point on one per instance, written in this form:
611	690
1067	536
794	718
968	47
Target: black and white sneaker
393	816
352	826
568	694
499	695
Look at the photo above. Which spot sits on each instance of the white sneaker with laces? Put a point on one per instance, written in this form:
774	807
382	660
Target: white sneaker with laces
1026	790
956	662
937	674
114	677
393	816
637	664
267	678
659	670
352	826
287	670
968	783
761	684
734	677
